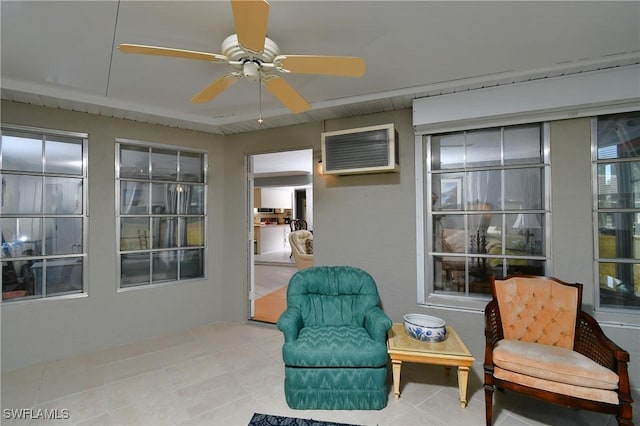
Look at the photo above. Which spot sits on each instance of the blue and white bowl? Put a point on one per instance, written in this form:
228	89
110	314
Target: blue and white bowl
425	327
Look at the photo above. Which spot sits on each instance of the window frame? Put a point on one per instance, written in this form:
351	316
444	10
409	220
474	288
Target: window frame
470	301
83	141
150	215
596	210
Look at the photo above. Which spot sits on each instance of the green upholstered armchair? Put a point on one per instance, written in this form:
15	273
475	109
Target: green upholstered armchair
334	350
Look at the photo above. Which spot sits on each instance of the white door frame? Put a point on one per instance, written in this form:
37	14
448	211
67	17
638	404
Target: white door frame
250	186
250	237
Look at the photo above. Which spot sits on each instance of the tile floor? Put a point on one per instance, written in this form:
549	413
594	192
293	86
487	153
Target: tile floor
270	277
220	374
270	280
275	257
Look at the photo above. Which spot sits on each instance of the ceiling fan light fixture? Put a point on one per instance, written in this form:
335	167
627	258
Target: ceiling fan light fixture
251	70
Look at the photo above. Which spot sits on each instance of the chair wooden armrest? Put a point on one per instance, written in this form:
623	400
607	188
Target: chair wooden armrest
493	324
593	343
493	334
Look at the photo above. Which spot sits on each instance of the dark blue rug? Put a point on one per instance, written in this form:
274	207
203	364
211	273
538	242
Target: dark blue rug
269	420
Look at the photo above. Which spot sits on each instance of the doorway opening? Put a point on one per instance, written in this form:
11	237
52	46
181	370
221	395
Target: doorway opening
301	204
280	190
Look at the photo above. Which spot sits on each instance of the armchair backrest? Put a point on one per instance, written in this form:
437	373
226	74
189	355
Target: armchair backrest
297	240
332	295
538	309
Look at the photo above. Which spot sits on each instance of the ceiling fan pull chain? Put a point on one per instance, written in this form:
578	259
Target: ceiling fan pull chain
260	120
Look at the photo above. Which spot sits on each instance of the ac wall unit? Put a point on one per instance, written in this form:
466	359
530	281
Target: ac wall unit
371	149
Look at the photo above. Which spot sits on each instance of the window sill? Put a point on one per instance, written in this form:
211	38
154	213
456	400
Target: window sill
32	299
617	319
457	303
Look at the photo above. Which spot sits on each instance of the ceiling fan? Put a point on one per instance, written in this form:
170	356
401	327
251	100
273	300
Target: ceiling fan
254	56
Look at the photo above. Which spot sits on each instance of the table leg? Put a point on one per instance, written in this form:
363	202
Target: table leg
463	378
397	365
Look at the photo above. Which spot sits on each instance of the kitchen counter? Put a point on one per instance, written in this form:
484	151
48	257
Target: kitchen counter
270	237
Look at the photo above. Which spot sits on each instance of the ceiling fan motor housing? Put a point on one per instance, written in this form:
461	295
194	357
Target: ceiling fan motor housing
250	63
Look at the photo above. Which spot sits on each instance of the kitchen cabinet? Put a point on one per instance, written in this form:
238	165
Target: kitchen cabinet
277	198
270	237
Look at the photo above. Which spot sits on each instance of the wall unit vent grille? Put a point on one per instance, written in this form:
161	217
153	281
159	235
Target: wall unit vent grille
364	150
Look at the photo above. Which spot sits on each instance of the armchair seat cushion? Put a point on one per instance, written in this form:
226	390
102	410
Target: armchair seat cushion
592	394
334	346
553	363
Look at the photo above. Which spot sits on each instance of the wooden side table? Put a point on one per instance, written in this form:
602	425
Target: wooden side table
451	352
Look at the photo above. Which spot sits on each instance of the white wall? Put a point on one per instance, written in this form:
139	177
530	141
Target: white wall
309	209
572	238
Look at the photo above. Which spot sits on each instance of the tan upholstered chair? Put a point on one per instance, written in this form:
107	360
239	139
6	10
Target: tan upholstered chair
297	225
301	243
539	342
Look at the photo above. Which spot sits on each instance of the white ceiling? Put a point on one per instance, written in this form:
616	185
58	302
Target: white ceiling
63	55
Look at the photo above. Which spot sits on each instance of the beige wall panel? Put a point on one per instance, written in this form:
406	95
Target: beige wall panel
45	330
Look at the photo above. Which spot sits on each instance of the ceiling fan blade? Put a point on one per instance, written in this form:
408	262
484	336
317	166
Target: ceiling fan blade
346	66
167	51
215	88
287	95
251	18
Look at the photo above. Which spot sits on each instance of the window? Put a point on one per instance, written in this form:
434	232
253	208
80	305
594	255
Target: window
43	217
488	212
617	209
161	207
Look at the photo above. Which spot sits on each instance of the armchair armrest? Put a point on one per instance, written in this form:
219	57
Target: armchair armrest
377	324
593	343
290	323
492	334
492	324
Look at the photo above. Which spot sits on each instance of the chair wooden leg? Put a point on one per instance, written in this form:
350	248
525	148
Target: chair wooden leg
624	422
625	416
625	411
488	403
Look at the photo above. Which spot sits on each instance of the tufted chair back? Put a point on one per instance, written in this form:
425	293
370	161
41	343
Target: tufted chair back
538	310
298	240
332	295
